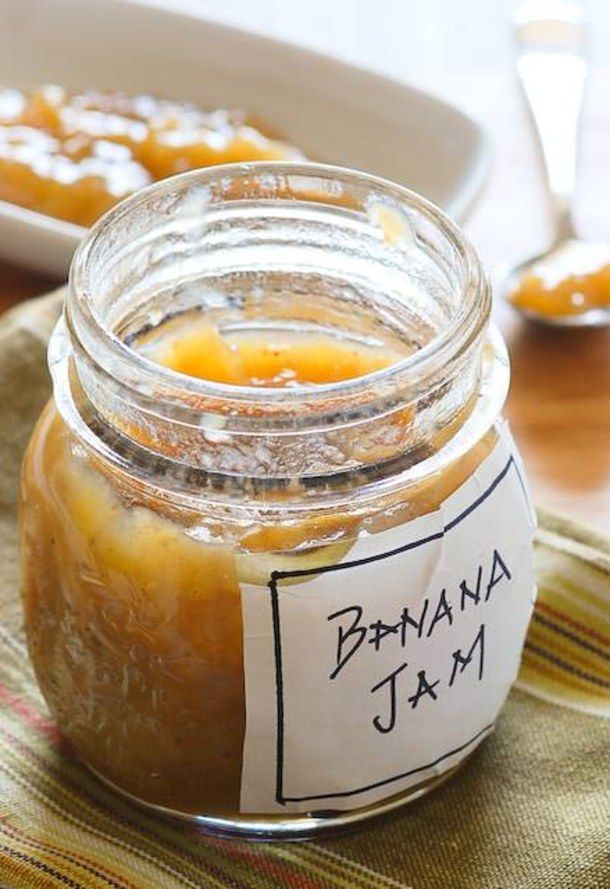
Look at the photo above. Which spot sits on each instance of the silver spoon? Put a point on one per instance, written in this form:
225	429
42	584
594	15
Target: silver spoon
552	68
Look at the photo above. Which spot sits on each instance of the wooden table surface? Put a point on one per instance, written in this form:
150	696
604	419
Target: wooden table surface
559	404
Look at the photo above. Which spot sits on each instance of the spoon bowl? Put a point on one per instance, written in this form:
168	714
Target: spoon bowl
566	258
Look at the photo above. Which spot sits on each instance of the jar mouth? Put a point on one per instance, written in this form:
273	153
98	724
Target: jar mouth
122	366
307	247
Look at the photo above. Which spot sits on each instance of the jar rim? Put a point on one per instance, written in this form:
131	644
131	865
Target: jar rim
121	363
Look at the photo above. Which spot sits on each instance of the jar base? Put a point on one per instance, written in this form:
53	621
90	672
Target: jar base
277	828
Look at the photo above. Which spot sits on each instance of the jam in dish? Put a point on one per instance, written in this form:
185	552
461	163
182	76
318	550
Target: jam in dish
73	156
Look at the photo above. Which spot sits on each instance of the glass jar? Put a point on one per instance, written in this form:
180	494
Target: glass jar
276	611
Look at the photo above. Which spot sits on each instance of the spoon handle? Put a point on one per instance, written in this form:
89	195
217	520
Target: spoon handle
552	69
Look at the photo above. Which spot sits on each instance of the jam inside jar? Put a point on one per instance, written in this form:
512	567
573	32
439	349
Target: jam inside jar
261	371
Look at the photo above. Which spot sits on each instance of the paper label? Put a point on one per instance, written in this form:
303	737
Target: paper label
386	668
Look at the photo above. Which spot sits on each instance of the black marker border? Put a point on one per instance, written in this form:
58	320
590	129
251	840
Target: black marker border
277	576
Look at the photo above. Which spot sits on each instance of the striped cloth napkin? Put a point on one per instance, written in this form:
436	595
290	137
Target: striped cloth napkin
530	810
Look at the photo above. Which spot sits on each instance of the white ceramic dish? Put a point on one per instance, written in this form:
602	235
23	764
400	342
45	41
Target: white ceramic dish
333	111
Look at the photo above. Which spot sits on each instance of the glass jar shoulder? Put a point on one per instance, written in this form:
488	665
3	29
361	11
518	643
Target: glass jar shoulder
64	481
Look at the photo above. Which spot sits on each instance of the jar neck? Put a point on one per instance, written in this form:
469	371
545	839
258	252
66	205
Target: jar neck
268	246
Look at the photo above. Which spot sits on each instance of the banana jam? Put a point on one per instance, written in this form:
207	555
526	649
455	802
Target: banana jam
252	401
